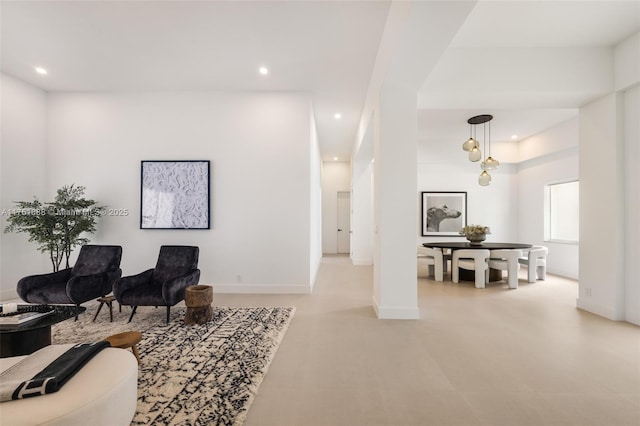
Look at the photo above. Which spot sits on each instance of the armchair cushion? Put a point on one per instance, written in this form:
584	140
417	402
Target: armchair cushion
85	287
97	259
175	261
126	286
38	285
144	293
53	293
92	276
173	290
164	285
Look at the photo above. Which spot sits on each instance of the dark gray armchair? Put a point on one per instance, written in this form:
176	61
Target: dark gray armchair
93	275
164	285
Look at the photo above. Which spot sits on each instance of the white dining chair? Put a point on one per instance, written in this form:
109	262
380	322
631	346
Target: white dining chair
506	260
473	260
446	258
536	262
433	259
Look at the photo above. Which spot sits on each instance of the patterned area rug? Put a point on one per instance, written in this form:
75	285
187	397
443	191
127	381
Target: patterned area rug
191	375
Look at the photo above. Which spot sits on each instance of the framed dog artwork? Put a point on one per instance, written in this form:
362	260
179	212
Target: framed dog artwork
444	214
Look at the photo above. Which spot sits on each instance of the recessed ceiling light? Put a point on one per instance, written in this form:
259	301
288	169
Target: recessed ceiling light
40	70
335	158
263	70
514	136
337	116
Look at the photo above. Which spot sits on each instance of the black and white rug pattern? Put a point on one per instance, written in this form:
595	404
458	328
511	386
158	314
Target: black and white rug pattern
191	375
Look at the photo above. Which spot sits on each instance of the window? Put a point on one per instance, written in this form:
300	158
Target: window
562	208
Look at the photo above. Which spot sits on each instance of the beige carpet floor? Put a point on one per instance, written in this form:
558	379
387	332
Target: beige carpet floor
475	357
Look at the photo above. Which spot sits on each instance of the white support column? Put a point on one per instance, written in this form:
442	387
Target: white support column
602	208
362	226
395	293
632	204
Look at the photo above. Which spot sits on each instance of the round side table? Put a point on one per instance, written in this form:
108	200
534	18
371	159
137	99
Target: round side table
127	339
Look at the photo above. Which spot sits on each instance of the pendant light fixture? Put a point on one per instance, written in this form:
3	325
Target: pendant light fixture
475	154
471	142
490	163
485	178
473	147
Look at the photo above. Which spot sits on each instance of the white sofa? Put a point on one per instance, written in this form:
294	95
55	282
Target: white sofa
103	392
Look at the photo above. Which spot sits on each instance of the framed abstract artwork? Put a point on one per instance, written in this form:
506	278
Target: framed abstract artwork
174	194
444	214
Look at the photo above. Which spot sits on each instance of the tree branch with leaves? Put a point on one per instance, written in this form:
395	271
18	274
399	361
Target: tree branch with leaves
57	227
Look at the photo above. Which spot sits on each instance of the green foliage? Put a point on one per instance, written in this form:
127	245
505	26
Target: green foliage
57	227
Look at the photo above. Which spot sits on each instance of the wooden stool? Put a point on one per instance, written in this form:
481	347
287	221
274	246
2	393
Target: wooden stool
128	339
108	300
198	299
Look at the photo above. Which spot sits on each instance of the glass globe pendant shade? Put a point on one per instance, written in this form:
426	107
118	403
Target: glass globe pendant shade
469	144
484	179
490	164
475	154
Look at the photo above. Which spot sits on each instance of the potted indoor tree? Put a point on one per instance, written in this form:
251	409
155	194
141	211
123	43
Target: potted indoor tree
57	227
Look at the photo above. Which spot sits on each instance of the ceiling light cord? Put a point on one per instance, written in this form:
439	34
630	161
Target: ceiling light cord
484	138
489	152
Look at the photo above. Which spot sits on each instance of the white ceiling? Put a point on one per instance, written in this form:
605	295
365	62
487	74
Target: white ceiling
326	48
545	23
531	64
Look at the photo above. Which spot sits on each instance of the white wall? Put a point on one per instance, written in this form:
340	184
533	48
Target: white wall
362	226
23	168
260	151
443	166
610	193
315	195
632	203
627	71
602	207
336	177
362	197
627	62
561	137
548	157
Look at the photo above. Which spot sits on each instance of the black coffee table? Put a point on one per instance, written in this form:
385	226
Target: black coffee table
27	338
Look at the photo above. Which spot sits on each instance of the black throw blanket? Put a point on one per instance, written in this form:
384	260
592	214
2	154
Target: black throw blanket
19	381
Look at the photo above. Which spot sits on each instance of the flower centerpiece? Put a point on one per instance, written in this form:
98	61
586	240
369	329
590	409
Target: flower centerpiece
476	234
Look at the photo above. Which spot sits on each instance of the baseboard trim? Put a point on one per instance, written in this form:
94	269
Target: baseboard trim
632	316
598	309
396	312
261	289
562	273
9	295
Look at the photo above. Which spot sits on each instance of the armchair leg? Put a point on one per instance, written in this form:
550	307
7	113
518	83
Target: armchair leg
133	311
168	313
77	305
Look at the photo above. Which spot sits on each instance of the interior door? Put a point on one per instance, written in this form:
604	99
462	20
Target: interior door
344	222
